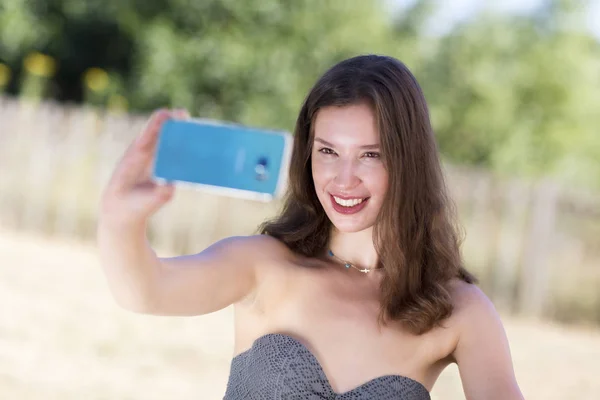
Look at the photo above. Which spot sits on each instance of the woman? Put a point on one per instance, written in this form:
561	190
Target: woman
356	290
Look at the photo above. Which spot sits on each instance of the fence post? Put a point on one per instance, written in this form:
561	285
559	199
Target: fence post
536	268
481	232
510	245
80	125
42	168
10	137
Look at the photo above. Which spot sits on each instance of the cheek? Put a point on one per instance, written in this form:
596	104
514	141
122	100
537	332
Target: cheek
378	182
321	173
317	176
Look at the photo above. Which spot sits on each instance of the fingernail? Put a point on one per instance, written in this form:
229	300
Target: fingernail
182	113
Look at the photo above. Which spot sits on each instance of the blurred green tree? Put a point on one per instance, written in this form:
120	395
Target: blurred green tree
249	61
77	34
520	94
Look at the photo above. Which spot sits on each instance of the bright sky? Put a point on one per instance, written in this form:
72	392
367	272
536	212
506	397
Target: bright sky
456	10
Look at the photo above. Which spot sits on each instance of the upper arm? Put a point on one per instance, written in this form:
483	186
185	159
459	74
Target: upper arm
222	274
482	352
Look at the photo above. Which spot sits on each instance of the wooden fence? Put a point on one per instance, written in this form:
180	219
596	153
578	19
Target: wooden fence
534	245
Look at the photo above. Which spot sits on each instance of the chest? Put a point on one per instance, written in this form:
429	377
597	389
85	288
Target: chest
338	325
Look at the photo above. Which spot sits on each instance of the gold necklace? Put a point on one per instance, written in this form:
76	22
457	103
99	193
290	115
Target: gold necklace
349	265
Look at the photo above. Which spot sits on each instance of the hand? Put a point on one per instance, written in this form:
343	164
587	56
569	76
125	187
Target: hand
131	195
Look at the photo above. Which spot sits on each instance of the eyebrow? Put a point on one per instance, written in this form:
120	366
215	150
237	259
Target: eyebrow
367	146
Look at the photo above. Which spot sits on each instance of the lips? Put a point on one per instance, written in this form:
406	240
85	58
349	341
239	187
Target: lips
352	208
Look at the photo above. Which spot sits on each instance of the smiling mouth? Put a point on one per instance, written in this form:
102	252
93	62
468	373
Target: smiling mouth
348	206
348	202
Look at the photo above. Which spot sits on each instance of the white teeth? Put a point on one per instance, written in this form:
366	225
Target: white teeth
347	203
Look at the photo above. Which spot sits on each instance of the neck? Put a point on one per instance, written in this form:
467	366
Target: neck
356	248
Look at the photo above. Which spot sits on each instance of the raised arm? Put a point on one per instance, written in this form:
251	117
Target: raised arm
221	275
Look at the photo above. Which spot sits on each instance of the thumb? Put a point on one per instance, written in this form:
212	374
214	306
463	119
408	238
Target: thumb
162	193
149	200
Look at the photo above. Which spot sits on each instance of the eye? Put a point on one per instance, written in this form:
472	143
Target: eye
372	154
326	150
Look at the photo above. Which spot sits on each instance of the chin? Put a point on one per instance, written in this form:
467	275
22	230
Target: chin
351	229
349	226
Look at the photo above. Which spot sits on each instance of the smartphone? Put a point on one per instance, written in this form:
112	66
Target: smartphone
223	158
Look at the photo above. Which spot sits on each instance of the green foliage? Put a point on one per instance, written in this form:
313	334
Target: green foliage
520	95
250	62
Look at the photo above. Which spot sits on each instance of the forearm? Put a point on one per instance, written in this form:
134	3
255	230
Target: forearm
129	264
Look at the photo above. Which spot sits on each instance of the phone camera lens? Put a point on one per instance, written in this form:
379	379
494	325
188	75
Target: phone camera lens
261	169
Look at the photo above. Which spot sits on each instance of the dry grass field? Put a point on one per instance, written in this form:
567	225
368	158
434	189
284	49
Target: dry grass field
62	337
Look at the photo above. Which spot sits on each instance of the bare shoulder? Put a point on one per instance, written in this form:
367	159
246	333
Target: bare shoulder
263	251
250	248
472	311
258	244
482	349
270	258
248	256
470	302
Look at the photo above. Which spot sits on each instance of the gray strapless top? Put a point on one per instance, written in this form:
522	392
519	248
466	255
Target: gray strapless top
279	367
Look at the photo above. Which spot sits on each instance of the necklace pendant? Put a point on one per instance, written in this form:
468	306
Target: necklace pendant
347	265
365	270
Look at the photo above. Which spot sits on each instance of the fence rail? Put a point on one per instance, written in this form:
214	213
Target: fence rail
535	245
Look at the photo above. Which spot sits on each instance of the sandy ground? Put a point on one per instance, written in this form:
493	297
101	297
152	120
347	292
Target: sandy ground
63	337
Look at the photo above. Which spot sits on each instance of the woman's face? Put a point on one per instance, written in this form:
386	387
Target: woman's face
349	174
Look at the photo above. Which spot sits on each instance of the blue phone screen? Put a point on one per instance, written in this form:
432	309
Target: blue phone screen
226	156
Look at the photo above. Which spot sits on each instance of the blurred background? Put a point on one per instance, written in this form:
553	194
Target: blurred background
514	92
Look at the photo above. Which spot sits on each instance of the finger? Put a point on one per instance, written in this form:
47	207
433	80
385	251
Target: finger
148	156
130	171
164	192
146	131
181	113
150	197
148	138
150	129
136	162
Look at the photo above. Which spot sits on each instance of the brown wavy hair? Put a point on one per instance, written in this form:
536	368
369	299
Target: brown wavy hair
416	235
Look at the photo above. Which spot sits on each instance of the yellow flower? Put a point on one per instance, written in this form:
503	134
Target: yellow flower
96	79
40	64
4	75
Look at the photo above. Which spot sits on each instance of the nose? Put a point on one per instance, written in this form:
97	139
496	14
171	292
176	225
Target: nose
346	174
